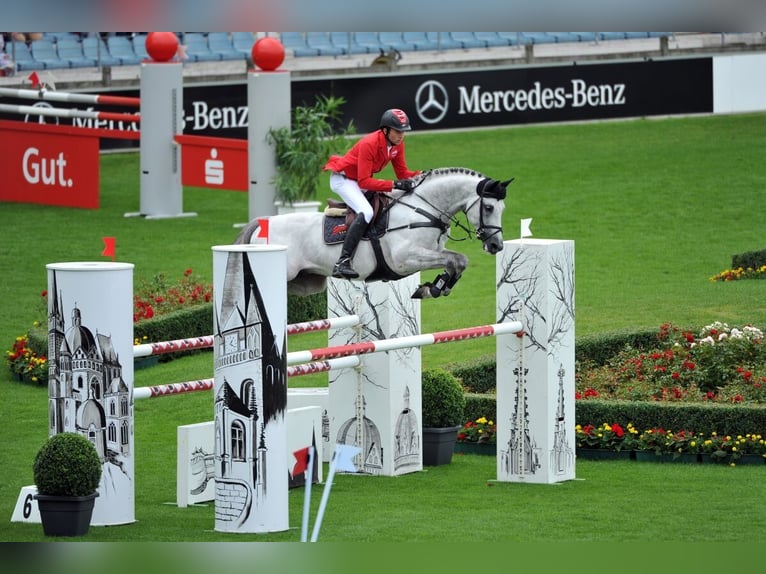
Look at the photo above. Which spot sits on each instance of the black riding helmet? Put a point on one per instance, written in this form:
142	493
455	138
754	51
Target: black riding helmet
396	119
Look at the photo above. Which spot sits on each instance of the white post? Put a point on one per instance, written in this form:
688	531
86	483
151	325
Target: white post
377	406
535	372
250	390
268	102
90	373
161	120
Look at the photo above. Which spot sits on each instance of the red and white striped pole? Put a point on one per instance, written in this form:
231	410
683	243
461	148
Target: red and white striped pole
68	113
404	342
206	342
69	97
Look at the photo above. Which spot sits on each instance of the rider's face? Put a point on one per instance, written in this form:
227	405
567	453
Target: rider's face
395	136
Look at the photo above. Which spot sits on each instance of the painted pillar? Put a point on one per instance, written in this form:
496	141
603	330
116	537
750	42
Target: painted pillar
268	102
161	120
90	373
250	388
378	406
535	372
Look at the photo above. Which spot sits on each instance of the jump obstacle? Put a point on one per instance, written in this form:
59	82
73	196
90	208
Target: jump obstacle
332	358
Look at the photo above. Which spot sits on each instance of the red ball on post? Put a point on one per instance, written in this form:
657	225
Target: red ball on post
161	46
268	54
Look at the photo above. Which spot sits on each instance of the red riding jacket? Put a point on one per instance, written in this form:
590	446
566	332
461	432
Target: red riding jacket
368	156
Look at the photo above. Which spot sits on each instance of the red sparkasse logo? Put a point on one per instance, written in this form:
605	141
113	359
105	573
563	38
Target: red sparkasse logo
49	164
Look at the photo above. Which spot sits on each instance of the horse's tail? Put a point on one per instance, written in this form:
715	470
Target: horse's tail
247	232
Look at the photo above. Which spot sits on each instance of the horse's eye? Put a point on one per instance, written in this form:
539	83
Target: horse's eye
489	208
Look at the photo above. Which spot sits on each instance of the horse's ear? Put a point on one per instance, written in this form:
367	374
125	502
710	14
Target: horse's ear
507	182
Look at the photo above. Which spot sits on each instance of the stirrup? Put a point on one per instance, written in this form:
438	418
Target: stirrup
343	269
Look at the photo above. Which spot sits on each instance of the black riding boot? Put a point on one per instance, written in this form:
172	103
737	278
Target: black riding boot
343	269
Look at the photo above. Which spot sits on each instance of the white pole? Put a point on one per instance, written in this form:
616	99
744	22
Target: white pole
307	496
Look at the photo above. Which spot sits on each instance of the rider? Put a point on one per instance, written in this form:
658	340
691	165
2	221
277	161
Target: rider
352	175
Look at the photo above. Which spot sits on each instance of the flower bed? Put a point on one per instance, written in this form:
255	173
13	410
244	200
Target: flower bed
664	444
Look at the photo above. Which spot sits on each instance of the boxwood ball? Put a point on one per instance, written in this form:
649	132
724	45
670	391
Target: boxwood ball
161	46
268	54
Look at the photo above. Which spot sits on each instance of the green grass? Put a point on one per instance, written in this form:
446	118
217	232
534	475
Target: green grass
655	207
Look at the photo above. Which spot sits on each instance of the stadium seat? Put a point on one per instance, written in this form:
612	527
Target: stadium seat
22	55
43	50
243	43
444	41
468	40
394	41
95	48
122	47
537	38
492	39
296	42
197	49
320	41
70	49
139	46
222	43
420	41
347	41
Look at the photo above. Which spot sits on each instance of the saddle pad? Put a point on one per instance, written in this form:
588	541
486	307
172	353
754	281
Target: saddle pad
334	228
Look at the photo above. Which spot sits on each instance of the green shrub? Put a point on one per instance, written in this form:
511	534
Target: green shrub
443	399
752	259
67	464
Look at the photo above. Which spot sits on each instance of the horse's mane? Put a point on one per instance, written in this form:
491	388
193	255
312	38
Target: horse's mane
448	171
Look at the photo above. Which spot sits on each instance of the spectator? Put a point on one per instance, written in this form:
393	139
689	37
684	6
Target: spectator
27	37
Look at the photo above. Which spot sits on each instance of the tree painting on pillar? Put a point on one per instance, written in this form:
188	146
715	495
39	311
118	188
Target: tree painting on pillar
535	285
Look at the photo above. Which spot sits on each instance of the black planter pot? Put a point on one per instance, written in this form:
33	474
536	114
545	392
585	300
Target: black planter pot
439	444
65	515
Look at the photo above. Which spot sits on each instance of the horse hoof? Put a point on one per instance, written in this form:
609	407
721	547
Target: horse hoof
422	292
435	291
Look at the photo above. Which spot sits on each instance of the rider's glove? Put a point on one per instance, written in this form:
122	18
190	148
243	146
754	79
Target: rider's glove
405	185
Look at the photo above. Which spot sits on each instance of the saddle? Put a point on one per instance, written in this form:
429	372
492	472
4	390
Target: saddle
338	217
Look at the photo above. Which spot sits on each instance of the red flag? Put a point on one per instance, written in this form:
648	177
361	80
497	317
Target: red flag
302	456
109	245
35	79
263	229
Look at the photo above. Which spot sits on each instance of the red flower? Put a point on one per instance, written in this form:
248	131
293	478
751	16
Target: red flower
188	272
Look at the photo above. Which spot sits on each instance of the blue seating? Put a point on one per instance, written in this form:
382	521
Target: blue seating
612	35
95	48
43	50
444	41
222	43
468	40
122	47
347	41
394	41
420	41
513	38
538	38
22	55
320	41
70	49
197	49
492	39
296	42
243	42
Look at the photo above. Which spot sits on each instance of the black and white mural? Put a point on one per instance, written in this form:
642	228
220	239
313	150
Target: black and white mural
250	388
535	372
378	407
90	373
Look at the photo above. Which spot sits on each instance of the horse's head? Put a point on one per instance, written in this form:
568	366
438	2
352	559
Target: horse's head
486	213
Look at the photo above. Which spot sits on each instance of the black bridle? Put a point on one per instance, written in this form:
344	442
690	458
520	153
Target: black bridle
486	188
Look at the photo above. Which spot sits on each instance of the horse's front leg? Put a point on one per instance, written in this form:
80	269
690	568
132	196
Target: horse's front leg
455	264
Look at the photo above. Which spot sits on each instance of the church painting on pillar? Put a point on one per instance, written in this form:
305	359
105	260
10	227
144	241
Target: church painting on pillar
378	408
535	372
90	383
250	401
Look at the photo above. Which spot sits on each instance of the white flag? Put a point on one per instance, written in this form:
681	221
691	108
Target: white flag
344	457
525	231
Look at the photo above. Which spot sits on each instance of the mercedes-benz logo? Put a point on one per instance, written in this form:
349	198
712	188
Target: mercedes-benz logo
41	118
431	101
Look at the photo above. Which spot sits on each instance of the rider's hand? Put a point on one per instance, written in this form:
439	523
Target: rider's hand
405	185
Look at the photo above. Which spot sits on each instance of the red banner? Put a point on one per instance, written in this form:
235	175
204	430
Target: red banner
217	163
49	164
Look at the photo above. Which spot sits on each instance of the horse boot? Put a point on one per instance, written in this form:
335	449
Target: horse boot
343	269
